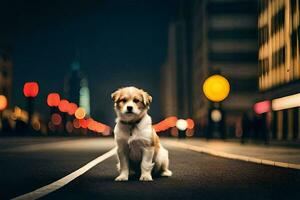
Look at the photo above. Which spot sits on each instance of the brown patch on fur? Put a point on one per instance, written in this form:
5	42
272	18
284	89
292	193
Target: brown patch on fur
155	141
141	98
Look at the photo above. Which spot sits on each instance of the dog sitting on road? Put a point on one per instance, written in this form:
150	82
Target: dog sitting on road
137	141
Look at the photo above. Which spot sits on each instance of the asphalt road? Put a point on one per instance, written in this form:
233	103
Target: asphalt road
28	164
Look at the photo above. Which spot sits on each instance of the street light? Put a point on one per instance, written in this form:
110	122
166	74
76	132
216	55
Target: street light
30	91
182	125
216	88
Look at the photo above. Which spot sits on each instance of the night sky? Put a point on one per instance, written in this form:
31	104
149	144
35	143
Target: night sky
121	43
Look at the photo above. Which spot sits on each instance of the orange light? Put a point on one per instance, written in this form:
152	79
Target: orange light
165	124
80	113
3	102
171	121
72	108
83	123
63	105
53	99
31	89
190	123
56	119
92	124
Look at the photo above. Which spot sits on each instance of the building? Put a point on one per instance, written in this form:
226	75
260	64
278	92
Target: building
76	87
218	36
175	75
5	75
279	64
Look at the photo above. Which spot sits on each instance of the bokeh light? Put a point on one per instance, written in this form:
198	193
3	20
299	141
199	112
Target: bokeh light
3	102
181	124
216	115
31	89
53	99
63	105
216	88
56	119
80	113
190	123
72	108
76	123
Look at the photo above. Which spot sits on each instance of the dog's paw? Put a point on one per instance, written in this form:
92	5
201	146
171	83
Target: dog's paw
166	173
121	178
146	177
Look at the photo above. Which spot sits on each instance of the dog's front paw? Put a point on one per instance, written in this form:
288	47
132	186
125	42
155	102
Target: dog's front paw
146	177
166	173
121	177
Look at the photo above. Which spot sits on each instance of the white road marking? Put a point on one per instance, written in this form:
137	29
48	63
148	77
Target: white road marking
40	192
232	156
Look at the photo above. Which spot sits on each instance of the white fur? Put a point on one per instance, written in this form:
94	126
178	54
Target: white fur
135	144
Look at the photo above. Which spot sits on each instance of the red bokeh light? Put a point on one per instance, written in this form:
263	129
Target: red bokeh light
56	119
165	124
262	107
190	123
76	123
171	121
72	108
83	123
63	105
31	89
53	99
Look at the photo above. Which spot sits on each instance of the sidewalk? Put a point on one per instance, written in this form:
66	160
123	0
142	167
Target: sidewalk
283	156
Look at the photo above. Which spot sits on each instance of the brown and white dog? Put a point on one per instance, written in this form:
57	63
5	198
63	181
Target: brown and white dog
137	141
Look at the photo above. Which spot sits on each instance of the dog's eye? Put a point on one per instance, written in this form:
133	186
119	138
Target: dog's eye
136	100
123	100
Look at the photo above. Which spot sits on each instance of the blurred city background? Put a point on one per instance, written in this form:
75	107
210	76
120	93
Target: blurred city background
60	62
224	76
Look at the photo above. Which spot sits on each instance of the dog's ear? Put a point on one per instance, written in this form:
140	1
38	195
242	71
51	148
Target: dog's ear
115	96
147	99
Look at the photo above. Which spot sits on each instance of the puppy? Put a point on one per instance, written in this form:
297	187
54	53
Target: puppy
137	141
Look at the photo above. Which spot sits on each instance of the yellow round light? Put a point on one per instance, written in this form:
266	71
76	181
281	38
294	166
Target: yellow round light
80	113
216	88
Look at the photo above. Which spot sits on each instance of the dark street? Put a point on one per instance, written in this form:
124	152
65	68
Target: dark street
91	86
196	175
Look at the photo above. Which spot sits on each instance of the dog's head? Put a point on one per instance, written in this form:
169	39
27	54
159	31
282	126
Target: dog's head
131	103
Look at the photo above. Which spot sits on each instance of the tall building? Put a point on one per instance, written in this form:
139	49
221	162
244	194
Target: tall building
279	64
175	75
76	87
5	75
219	36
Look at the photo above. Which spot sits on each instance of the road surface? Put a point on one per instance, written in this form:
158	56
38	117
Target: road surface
27	164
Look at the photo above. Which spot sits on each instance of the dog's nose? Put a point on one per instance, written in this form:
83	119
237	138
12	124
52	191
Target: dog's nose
129	108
